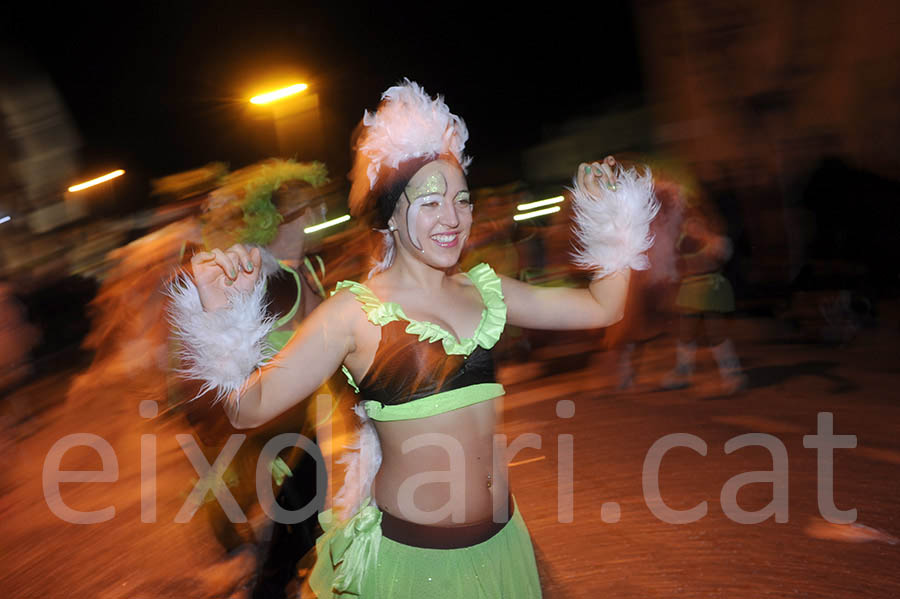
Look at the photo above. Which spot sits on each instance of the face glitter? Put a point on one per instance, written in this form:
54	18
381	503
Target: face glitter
434	184
434	187
412	212
429	190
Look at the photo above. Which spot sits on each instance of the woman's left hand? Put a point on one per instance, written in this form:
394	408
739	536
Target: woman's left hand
596	176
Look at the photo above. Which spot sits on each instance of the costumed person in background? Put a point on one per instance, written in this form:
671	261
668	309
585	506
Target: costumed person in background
415	340
268	205
651	292
704	296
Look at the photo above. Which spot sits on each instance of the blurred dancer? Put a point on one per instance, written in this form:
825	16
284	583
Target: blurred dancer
704	296
652	291
269	205
421	369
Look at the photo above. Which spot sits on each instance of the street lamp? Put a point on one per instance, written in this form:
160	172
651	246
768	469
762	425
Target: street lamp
279	94
98	180
297	120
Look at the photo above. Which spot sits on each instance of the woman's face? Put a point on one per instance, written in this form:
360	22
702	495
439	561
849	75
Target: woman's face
434	214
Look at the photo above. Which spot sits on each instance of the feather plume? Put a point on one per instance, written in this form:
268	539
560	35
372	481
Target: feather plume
224	347
410	124
387	255
362	464
612	231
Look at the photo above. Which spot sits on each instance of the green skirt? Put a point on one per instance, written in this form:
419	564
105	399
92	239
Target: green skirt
705	293
355	560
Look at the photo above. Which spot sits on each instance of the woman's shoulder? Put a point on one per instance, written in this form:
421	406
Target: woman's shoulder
348	294
485	279
342	302
358	302
475	275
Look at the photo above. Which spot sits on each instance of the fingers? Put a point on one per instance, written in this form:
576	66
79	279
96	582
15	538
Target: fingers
584	170
241	257
256	259
613	167
201	257
603	174
247	264
609	176
607	172
209	266
227	264
237	264
596	175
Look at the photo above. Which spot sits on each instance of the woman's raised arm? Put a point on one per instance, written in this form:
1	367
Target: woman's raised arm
316	350
218	317
600	305
613	209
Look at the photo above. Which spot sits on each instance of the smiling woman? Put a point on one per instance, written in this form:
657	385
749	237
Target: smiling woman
426	509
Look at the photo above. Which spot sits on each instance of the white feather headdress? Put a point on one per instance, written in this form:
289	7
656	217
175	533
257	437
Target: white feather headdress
408	124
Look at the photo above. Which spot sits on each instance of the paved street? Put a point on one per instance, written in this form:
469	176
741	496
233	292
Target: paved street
614	545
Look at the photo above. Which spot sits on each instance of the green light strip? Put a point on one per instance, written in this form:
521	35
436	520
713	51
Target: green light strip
539	203
327	223
536	213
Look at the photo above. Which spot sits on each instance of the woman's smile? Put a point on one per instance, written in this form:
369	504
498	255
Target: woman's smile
446	240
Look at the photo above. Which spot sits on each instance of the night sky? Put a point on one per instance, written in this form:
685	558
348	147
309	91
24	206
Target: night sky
162	87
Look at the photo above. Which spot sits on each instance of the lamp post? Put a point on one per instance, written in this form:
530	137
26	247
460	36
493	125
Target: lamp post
96	194
297	119
102	179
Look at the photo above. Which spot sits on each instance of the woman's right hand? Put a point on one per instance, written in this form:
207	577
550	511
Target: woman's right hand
592	177
217	273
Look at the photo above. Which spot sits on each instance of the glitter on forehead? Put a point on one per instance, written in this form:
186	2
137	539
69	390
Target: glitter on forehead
435	183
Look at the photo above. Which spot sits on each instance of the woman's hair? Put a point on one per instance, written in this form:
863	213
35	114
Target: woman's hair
379	203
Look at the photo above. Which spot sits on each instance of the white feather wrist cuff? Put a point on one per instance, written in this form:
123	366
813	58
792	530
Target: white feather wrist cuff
224	347
613	231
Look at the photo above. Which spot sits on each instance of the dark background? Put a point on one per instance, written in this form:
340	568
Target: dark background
163	86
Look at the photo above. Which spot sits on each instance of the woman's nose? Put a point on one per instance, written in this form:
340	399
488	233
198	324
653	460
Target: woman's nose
449	217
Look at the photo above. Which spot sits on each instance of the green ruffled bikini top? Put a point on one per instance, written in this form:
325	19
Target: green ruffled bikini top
414	376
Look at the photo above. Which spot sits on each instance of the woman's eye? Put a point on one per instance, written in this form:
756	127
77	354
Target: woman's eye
431	201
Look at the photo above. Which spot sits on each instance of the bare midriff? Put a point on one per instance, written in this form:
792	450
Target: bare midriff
439	470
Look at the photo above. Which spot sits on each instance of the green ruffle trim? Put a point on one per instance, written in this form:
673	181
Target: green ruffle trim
493	316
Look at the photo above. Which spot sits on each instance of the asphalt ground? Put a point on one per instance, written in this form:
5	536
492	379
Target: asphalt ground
611	543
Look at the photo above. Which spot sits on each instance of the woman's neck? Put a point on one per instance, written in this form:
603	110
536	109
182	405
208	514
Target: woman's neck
408	271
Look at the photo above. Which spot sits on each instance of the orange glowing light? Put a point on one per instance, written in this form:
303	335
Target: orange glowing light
98	180
279	94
